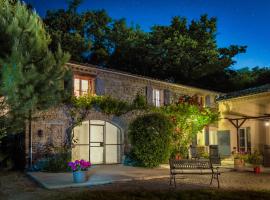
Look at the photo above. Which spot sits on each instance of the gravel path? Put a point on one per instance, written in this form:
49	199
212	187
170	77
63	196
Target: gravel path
15	185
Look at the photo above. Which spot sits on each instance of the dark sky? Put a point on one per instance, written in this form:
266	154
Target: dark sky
243	22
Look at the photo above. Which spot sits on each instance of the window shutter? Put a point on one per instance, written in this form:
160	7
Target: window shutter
149	95
100	89
167	97
161	97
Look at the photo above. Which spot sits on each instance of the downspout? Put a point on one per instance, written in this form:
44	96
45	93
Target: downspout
30	153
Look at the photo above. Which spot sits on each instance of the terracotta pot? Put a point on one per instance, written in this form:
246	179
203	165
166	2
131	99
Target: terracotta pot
178	157
257	170
239	164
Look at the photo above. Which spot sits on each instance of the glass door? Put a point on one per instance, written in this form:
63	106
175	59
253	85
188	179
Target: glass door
112	144
97	144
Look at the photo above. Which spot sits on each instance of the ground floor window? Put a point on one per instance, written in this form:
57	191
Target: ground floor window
244	139
97	141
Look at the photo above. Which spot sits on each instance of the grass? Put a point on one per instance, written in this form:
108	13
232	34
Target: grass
179	195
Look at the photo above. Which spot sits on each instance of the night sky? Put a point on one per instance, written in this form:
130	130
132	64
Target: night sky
243	22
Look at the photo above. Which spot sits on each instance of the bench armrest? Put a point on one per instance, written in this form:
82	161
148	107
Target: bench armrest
215	170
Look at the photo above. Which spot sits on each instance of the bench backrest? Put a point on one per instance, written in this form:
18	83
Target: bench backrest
190	164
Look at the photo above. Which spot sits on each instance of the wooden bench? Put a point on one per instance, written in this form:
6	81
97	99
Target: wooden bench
187	166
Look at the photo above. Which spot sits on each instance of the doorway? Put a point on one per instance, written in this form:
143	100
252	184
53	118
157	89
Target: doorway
244	140
97	141
224	143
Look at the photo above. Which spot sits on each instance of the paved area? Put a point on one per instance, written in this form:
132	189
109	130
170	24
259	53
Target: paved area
18	186
106	174
98	175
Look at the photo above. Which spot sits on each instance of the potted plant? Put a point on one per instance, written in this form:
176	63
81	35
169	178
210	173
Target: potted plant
256	160
79	167
239	160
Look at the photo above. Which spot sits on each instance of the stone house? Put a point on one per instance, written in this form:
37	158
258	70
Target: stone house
103	139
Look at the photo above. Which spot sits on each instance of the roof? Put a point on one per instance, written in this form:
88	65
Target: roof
246	92
141	77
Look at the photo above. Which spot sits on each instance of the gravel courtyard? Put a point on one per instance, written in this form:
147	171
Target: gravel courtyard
16	185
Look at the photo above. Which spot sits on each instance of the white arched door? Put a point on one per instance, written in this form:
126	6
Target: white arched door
98	141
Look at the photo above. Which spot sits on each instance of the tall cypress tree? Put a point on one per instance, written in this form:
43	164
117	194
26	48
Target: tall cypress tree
31	75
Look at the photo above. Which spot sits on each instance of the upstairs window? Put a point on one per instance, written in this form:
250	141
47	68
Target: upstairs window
83	85
208	101
157	97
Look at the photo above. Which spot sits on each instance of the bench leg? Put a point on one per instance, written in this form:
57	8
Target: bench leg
218	180
215	176
170	179
174	181
212	179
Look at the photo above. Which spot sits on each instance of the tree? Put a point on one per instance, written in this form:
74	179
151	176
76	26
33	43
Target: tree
185	52
67	27
31	75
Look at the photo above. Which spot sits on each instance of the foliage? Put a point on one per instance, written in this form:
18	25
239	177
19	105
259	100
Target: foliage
247	77
57	162
255	158
31	74
151	138
241	156
189	118
182	52
201	152
79	165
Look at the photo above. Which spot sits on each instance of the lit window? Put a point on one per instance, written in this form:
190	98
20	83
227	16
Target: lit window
83	85
156	97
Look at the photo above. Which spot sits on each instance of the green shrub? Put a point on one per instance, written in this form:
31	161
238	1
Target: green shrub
151	139
58	162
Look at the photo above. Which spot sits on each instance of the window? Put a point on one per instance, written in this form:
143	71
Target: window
83	85
244	140
208	101
157	97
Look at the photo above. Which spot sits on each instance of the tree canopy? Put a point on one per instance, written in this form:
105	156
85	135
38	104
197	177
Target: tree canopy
182	52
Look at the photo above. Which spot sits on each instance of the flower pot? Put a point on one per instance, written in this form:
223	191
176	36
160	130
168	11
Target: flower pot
79	176
257	170
239	164
178	157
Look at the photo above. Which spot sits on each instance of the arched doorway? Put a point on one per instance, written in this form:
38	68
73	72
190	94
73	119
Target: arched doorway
97	141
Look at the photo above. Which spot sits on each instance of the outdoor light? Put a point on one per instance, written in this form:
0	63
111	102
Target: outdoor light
40	133
267	123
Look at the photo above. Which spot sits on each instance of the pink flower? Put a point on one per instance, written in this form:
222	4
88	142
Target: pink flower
79	165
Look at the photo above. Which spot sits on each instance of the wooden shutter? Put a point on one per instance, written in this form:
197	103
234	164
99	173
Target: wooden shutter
149	95
100	88
161	96
167	97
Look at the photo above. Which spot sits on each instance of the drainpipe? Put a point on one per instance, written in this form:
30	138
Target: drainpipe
30	153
